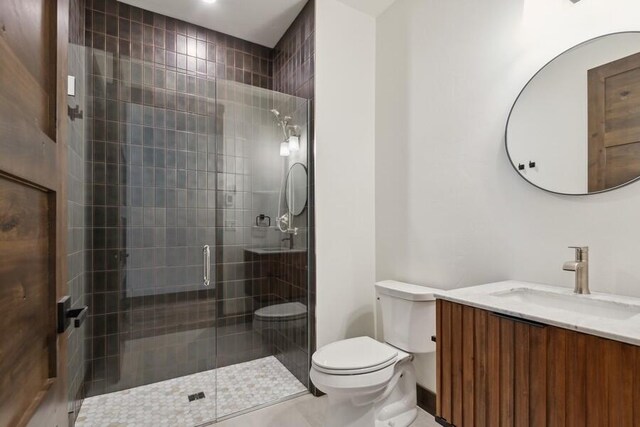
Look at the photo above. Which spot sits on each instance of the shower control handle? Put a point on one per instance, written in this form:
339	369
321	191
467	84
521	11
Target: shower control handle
206	255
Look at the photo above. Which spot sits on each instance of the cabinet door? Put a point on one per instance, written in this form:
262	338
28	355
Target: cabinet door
492	370
591	381
496	371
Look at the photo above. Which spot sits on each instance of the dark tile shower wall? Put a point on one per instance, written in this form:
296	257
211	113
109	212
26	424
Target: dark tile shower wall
293	73
76	249
294	56
153	199
157	191
133	32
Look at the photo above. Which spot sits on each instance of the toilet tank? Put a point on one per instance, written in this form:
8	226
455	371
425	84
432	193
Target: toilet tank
408	315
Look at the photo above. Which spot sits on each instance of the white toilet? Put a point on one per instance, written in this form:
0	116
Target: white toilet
370	383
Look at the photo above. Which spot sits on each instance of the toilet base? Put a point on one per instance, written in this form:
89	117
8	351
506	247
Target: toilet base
341	412
391	406
402	420
345	415
399	408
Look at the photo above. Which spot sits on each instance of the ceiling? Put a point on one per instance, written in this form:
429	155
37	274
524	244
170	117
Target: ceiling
370	7
259	21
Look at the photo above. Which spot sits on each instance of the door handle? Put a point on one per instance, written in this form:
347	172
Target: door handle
65	313
519	320
78	315
206	255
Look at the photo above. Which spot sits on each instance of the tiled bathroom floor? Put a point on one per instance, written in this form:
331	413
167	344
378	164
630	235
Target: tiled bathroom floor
239	387
303	411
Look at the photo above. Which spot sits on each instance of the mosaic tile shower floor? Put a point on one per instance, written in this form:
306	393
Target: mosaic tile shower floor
239	387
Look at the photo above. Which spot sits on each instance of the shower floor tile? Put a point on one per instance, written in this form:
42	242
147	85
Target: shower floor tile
239	387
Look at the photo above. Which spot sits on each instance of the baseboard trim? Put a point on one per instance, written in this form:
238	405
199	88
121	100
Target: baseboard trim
426	400
314	390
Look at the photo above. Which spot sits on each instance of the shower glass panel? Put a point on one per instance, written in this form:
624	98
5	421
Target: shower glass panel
261	248
176	162
152	183
77	247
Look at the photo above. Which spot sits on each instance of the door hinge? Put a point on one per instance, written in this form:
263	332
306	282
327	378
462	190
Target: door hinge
74	113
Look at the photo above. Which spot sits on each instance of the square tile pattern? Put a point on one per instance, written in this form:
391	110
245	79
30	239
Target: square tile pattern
170	166
227	391
153	183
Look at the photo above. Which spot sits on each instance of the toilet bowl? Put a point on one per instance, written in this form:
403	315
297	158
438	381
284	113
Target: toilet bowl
370	383
367	382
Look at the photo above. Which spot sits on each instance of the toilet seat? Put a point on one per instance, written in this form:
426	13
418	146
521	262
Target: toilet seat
369	382
355	356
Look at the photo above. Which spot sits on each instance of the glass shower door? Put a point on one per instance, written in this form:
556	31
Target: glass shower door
191	236
152	207
262	347
177	162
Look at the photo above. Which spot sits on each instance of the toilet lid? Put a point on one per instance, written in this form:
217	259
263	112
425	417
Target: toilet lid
361	355
286	311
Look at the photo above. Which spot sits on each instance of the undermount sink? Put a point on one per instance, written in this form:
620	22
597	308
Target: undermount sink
578	304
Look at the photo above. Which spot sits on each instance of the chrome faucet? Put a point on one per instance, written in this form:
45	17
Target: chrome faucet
581	267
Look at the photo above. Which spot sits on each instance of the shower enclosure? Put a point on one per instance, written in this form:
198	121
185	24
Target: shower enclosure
196	234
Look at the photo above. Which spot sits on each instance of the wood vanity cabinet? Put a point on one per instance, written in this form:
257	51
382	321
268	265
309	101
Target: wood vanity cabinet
495	371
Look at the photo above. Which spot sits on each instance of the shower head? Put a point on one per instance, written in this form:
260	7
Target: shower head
283	123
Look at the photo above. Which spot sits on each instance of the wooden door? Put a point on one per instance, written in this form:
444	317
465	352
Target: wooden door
614	123
33	64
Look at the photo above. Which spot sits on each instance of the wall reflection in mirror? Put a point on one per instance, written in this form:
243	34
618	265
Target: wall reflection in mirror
575	127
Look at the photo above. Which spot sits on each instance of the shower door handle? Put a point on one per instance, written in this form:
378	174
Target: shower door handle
206	255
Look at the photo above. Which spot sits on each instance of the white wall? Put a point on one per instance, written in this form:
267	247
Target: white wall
450	211
344	120
549	124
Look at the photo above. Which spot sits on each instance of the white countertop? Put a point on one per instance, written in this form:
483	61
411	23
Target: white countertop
625	328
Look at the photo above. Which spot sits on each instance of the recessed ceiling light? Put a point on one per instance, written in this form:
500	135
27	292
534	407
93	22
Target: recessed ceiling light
209	1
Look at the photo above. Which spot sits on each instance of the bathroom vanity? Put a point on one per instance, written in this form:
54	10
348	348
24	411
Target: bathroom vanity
522	354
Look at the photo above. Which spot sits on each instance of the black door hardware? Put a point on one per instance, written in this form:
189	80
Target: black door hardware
520	167
519	320
74	113
433	338
444	422
65	313
532	164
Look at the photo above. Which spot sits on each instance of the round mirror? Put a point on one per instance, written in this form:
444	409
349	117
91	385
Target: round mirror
296	188
575	127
